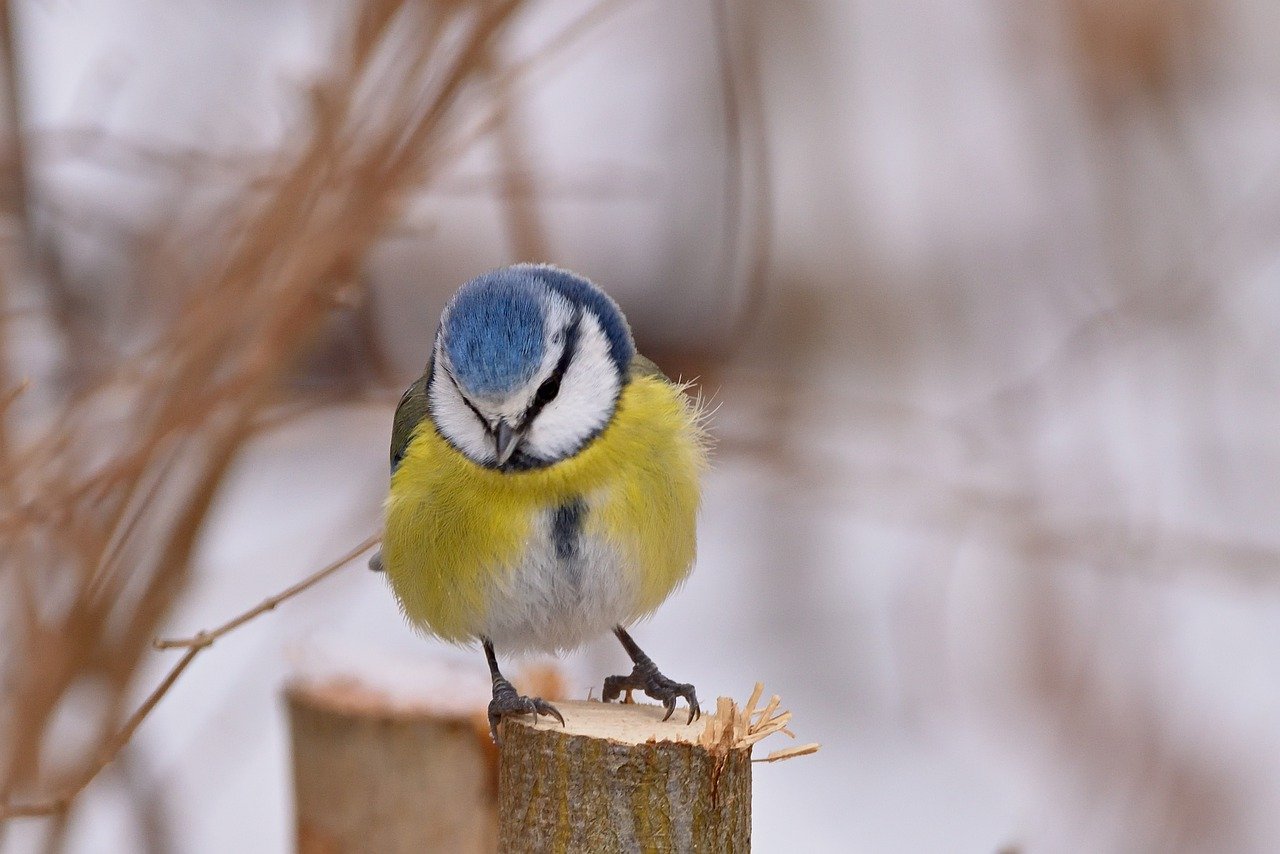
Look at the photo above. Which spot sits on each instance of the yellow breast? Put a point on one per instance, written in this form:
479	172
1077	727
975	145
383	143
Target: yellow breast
453	528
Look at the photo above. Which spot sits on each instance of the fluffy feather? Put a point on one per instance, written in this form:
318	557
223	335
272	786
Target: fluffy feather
470	550
589	524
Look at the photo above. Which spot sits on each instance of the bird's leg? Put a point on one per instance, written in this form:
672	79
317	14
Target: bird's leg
507	702
646	677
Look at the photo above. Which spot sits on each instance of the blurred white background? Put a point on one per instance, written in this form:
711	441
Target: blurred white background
997	475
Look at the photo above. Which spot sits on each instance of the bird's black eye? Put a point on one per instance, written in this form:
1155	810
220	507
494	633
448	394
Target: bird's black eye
547	391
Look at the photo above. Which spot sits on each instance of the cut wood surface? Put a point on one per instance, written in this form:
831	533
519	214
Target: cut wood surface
617	778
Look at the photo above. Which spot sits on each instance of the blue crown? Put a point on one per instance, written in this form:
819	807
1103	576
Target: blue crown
494	332
581	292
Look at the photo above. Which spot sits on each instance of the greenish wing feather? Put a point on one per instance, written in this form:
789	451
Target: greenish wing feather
642	367
409	414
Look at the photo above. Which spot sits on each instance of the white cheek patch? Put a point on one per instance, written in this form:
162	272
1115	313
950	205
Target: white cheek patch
585	403
454	418
588	394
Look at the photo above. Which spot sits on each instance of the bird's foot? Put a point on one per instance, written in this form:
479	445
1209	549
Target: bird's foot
506	701
646	677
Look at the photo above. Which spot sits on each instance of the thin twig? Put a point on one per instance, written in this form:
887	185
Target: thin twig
204	639
523	71
525	230
193	646
106	753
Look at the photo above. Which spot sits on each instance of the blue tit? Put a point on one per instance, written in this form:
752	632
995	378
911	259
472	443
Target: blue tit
544	481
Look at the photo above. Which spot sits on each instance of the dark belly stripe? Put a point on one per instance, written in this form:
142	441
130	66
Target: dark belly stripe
566	525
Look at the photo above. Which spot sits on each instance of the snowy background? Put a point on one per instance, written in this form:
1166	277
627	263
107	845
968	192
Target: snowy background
998	470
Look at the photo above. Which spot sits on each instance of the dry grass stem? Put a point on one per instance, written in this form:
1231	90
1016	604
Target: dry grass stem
106	752
108	480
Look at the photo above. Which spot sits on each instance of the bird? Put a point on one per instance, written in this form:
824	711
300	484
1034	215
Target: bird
545	482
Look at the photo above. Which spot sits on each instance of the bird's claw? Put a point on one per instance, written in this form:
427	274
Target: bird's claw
646	677
506	701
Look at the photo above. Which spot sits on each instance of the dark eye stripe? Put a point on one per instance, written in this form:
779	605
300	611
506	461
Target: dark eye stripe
483	422
552	383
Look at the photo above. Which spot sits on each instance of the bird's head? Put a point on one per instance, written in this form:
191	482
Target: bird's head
528	365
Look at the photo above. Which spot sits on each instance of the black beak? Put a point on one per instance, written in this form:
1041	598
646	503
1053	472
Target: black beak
505	441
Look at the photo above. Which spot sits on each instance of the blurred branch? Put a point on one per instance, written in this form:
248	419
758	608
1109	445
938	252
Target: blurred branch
106	752
525	231
908	476
206	638
39	250
745	135
1190	287
194	646
523	72
10	195
107	500
156	831
110	496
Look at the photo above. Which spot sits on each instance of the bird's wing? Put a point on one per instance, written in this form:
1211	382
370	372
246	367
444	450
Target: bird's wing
643	367
409	414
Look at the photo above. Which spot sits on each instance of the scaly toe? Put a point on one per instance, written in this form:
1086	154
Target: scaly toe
661	688
647	678
542	707
507	702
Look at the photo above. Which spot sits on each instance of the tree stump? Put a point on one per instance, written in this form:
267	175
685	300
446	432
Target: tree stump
371	776
616	778
373	773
